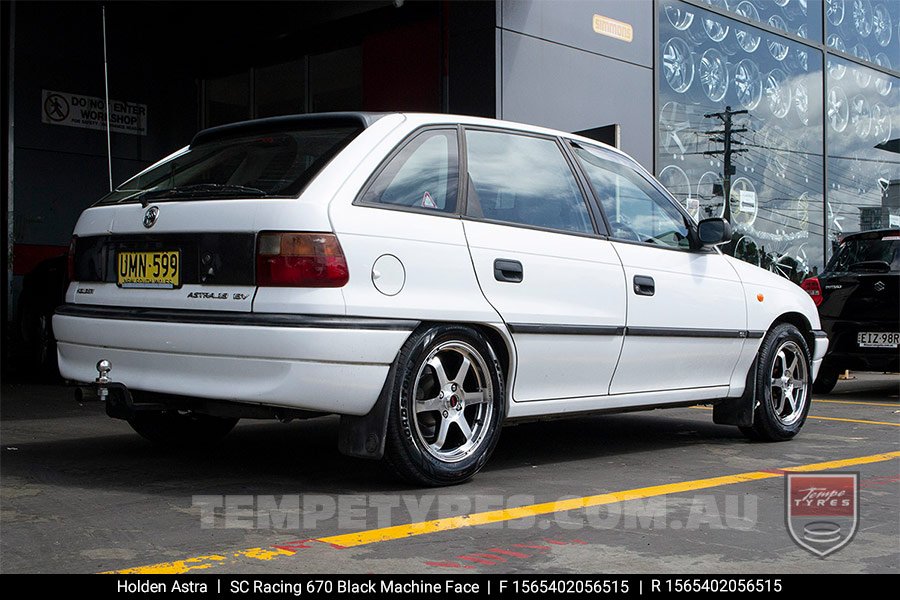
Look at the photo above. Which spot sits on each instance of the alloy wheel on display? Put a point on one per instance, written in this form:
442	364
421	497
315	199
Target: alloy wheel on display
748	84
743	202
747	37
713	75
838	109
860	116
778	93
678	65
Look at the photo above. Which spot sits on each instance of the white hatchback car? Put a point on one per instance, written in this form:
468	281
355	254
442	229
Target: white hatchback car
427	277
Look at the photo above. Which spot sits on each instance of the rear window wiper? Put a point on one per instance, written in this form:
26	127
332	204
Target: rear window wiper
195	190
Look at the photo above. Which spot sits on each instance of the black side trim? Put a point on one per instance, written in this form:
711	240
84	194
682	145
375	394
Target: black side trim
218	317
818	333
539	328
680	332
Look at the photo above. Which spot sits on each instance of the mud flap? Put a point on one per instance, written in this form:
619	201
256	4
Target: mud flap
364	436
738	411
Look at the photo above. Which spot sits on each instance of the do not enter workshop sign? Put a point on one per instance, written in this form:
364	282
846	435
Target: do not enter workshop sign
89	112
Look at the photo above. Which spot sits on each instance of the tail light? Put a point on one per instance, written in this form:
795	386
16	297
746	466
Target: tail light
814	289
285	259
70	260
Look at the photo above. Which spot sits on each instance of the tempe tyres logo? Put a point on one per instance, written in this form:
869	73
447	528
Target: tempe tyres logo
822	510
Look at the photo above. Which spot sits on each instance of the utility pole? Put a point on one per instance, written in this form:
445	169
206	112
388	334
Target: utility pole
726	132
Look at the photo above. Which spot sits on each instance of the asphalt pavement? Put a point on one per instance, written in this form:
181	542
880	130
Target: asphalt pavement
659	491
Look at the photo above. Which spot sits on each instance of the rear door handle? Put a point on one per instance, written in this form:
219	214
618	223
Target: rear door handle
509	271
644	286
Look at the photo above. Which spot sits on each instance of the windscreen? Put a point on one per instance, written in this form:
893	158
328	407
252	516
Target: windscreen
277	164
860	250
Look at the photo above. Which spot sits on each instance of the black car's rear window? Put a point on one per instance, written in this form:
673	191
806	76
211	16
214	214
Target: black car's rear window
885	249
277	164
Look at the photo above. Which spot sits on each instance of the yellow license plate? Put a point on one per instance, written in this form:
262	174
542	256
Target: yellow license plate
149	269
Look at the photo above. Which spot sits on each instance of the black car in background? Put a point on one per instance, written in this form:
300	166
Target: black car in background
858	295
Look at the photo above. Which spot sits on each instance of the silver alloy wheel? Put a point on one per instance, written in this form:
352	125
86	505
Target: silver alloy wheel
834	11
747	37
883	84
861	14
778	93
838	109
748	84
882	27
713	75
789	383
881	123
743	202
863	75
716	29
678	65
836	68
801	101
453	413
777	48
861	116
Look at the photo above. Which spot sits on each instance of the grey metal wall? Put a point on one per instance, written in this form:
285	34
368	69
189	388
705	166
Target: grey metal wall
555	70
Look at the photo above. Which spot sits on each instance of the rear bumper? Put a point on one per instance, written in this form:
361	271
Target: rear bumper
818	351
844	351
316	363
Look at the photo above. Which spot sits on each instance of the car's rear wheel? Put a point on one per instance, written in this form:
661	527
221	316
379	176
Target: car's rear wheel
447	406
826	379
783	385
181	428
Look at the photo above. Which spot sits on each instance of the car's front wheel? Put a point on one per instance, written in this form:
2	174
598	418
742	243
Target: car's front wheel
447	406
783	385
181	428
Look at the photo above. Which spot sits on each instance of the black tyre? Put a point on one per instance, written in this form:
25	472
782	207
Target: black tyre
783	385
826	379
447	406
181	428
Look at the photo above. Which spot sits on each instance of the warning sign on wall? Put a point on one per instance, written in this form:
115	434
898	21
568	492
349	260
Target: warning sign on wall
89	112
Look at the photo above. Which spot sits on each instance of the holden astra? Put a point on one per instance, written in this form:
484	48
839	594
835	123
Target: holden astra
428	278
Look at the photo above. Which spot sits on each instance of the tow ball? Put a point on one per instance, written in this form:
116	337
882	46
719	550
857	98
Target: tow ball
99	390
102	381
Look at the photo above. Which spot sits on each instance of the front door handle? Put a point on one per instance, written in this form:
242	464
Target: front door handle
644	286
508	271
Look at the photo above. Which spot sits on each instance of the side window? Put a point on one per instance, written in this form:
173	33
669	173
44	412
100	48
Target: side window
424	174
635	209
524	180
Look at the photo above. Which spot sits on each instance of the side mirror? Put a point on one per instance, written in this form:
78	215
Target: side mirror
714	232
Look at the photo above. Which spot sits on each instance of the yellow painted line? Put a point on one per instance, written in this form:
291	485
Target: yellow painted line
894	405
374	536
818	418
176	567
865	421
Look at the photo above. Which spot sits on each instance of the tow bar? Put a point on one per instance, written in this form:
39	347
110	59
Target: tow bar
115	396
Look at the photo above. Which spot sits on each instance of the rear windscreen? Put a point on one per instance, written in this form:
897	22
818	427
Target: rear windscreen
277	164
864	250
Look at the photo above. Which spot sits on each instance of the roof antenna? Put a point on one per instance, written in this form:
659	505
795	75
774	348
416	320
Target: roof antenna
106	101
